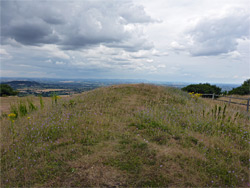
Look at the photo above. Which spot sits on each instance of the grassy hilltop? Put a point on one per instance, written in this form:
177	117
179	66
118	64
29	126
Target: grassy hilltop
127	136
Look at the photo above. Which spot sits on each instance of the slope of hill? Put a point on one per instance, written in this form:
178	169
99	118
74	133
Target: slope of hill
127	135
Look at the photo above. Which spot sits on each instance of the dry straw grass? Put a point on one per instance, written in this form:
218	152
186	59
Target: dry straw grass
127	135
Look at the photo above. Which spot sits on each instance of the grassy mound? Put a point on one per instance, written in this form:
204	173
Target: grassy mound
127	135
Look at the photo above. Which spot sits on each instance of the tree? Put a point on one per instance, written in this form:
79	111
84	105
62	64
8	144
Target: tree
203	88
244	89
6	90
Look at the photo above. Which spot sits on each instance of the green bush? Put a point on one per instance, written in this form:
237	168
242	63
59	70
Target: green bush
203	88
244	89
6	90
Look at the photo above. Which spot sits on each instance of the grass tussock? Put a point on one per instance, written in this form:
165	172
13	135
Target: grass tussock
128	135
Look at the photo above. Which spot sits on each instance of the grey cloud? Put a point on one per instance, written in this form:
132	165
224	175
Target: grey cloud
214	36
53	20
78	42
133	45
120	59
72	25
30	32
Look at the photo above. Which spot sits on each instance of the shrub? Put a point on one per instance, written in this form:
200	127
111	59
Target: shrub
202	88
6	90
244	89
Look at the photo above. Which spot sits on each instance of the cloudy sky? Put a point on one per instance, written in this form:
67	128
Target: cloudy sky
165	40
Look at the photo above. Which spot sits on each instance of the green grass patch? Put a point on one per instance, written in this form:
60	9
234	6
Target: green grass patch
134	154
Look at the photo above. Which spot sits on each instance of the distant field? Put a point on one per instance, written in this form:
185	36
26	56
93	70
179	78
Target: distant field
47	90
43	90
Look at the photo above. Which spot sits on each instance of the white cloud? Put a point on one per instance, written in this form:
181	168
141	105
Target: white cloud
48	61
161	66
158	53
234	54
176	46
218	35
4	54
53	51
60	63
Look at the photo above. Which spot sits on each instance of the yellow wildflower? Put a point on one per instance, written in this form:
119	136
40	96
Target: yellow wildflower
58	97
12	115
28	117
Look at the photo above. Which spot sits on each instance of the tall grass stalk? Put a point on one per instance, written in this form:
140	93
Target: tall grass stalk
31	105
22	108
41	102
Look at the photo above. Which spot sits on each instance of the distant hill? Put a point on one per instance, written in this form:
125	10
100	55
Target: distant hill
22	84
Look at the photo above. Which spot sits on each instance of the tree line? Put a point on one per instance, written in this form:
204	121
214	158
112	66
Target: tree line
207	88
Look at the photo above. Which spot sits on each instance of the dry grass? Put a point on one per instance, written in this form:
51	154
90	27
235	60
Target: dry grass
6	102
128	136
241	99
232	105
